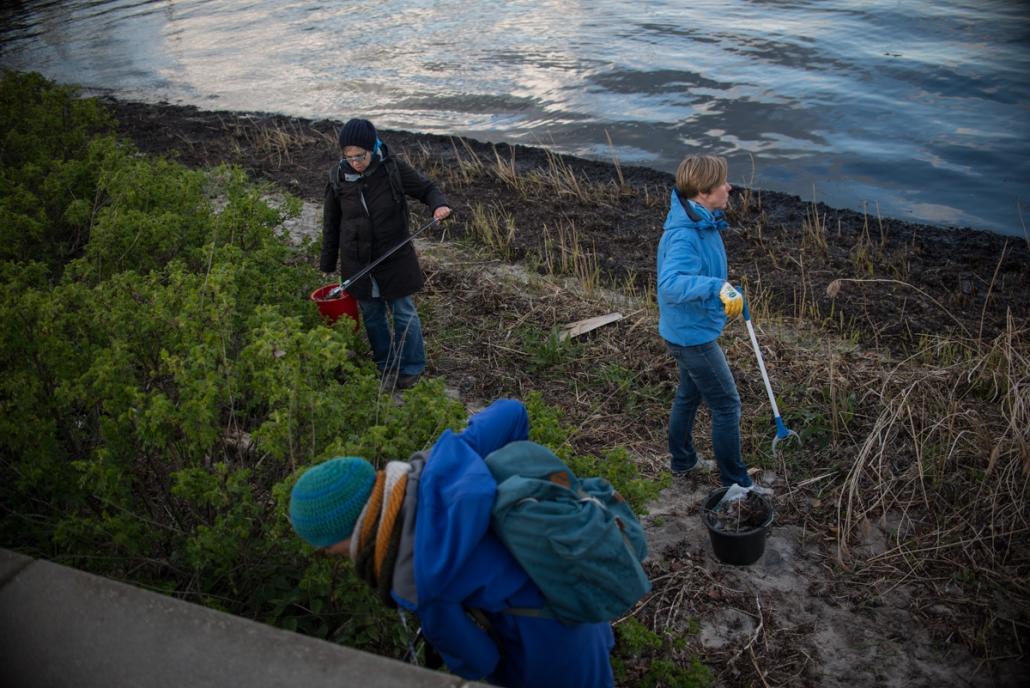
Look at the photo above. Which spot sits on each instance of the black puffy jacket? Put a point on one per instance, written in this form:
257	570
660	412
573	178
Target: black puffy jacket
366	215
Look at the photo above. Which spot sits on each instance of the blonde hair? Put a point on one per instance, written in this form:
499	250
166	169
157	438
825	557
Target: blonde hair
700	174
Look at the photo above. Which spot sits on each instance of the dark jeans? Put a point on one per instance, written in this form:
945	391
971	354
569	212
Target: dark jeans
705	375
403	350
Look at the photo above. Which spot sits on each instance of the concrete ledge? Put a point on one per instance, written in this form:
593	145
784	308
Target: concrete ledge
63	627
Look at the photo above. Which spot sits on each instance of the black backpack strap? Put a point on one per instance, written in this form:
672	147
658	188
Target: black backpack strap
483	621
528	611
393	173
334	178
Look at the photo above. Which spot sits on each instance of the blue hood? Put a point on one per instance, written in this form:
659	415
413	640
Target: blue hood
460	564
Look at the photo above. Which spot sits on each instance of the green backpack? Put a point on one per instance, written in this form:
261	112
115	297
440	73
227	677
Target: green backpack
577	539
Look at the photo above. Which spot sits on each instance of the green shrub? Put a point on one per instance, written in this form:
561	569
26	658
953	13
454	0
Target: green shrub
617	467
48	183
165	376
644	658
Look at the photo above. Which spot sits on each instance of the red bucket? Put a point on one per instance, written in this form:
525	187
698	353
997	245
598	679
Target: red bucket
332	308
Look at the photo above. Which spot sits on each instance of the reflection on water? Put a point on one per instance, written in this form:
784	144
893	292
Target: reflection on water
916	108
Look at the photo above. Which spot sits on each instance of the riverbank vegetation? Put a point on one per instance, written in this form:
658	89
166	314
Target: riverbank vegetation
165	376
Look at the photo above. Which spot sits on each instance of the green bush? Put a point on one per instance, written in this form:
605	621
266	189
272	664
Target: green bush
165	376
48	182
616	466
644	658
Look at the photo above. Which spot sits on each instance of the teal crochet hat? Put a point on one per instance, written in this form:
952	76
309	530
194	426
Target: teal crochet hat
328	498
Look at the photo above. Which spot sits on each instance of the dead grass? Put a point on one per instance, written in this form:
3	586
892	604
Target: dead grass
931	450
274	141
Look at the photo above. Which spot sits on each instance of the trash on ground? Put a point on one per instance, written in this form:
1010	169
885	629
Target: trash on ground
739	513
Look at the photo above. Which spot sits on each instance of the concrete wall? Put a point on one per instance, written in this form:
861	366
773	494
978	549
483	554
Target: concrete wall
62	627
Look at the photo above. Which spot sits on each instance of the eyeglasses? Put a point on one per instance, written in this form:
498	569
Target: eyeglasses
356	158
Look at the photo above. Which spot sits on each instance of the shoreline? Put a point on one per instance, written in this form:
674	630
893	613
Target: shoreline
633	170
900	280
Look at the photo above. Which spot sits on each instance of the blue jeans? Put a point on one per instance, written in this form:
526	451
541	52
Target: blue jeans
705	376
402	350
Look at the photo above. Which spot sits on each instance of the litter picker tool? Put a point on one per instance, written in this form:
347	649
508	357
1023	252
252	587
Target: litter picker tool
782	431
342	287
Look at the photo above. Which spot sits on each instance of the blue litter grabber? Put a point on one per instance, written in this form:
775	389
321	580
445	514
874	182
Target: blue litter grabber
782	431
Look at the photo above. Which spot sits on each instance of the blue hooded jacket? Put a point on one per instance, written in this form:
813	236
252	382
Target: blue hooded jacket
691	271
460	564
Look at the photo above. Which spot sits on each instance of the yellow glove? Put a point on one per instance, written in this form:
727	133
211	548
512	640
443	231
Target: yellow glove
732	301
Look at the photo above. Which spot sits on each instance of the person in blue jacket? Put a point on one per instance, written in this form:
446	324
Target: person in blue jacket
419	534
694	302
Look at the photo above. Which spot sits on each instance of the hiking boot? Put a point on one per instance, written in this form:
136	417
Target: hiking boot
387	379
701	466
407	381
759	490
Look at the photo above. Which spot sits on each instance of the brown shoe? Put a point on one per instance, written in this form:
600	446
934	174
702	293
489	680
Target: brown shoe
388	379
407	381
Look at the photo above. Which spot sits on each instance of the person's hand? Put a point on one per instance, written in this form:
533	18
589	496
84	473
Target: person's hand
732	301
441	213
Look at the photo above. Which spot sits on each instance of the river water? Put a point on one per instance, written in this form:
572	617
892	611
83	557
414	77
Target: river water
912	109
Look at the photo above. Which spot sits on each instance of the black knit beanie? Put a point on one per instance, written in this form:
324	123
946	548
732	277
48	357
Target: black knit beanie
358	132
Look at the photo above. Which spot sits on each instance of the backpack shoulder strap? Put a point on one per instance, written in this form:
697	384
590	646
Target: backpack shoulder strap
480	618
393	173
528	611
334	177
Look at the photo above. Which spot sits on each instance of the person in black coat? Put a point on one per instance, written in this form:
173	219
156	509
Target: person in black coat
366	215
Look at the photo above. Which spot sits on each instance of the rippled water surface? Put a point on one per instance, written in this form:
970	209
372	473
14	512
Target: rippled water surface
913	109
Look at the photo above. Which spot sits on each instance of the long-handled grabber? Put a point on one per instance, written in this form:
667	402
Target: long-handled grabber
342	287
782	431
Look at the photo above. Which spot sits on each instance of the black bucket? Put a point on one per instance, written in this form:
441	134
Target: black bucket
739	548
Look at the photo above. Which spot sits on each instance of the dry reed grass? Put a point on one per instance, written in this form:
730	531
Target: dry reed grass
944	469
932	449
274	141
564	253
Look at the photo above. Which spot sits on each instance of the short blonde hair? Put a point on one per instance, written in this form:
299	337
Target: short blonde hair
699	174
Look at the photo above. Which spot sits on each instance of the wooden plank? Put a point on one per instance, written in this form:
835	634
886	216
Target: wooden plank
583	326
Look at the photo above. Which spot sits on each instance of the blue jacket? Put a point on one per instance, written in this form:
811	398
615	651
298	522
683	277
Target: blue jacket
691	271
460	564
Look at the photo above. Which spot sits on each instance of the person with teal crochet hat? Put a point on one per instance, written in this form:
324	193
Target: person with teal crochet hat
327	500
419	534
